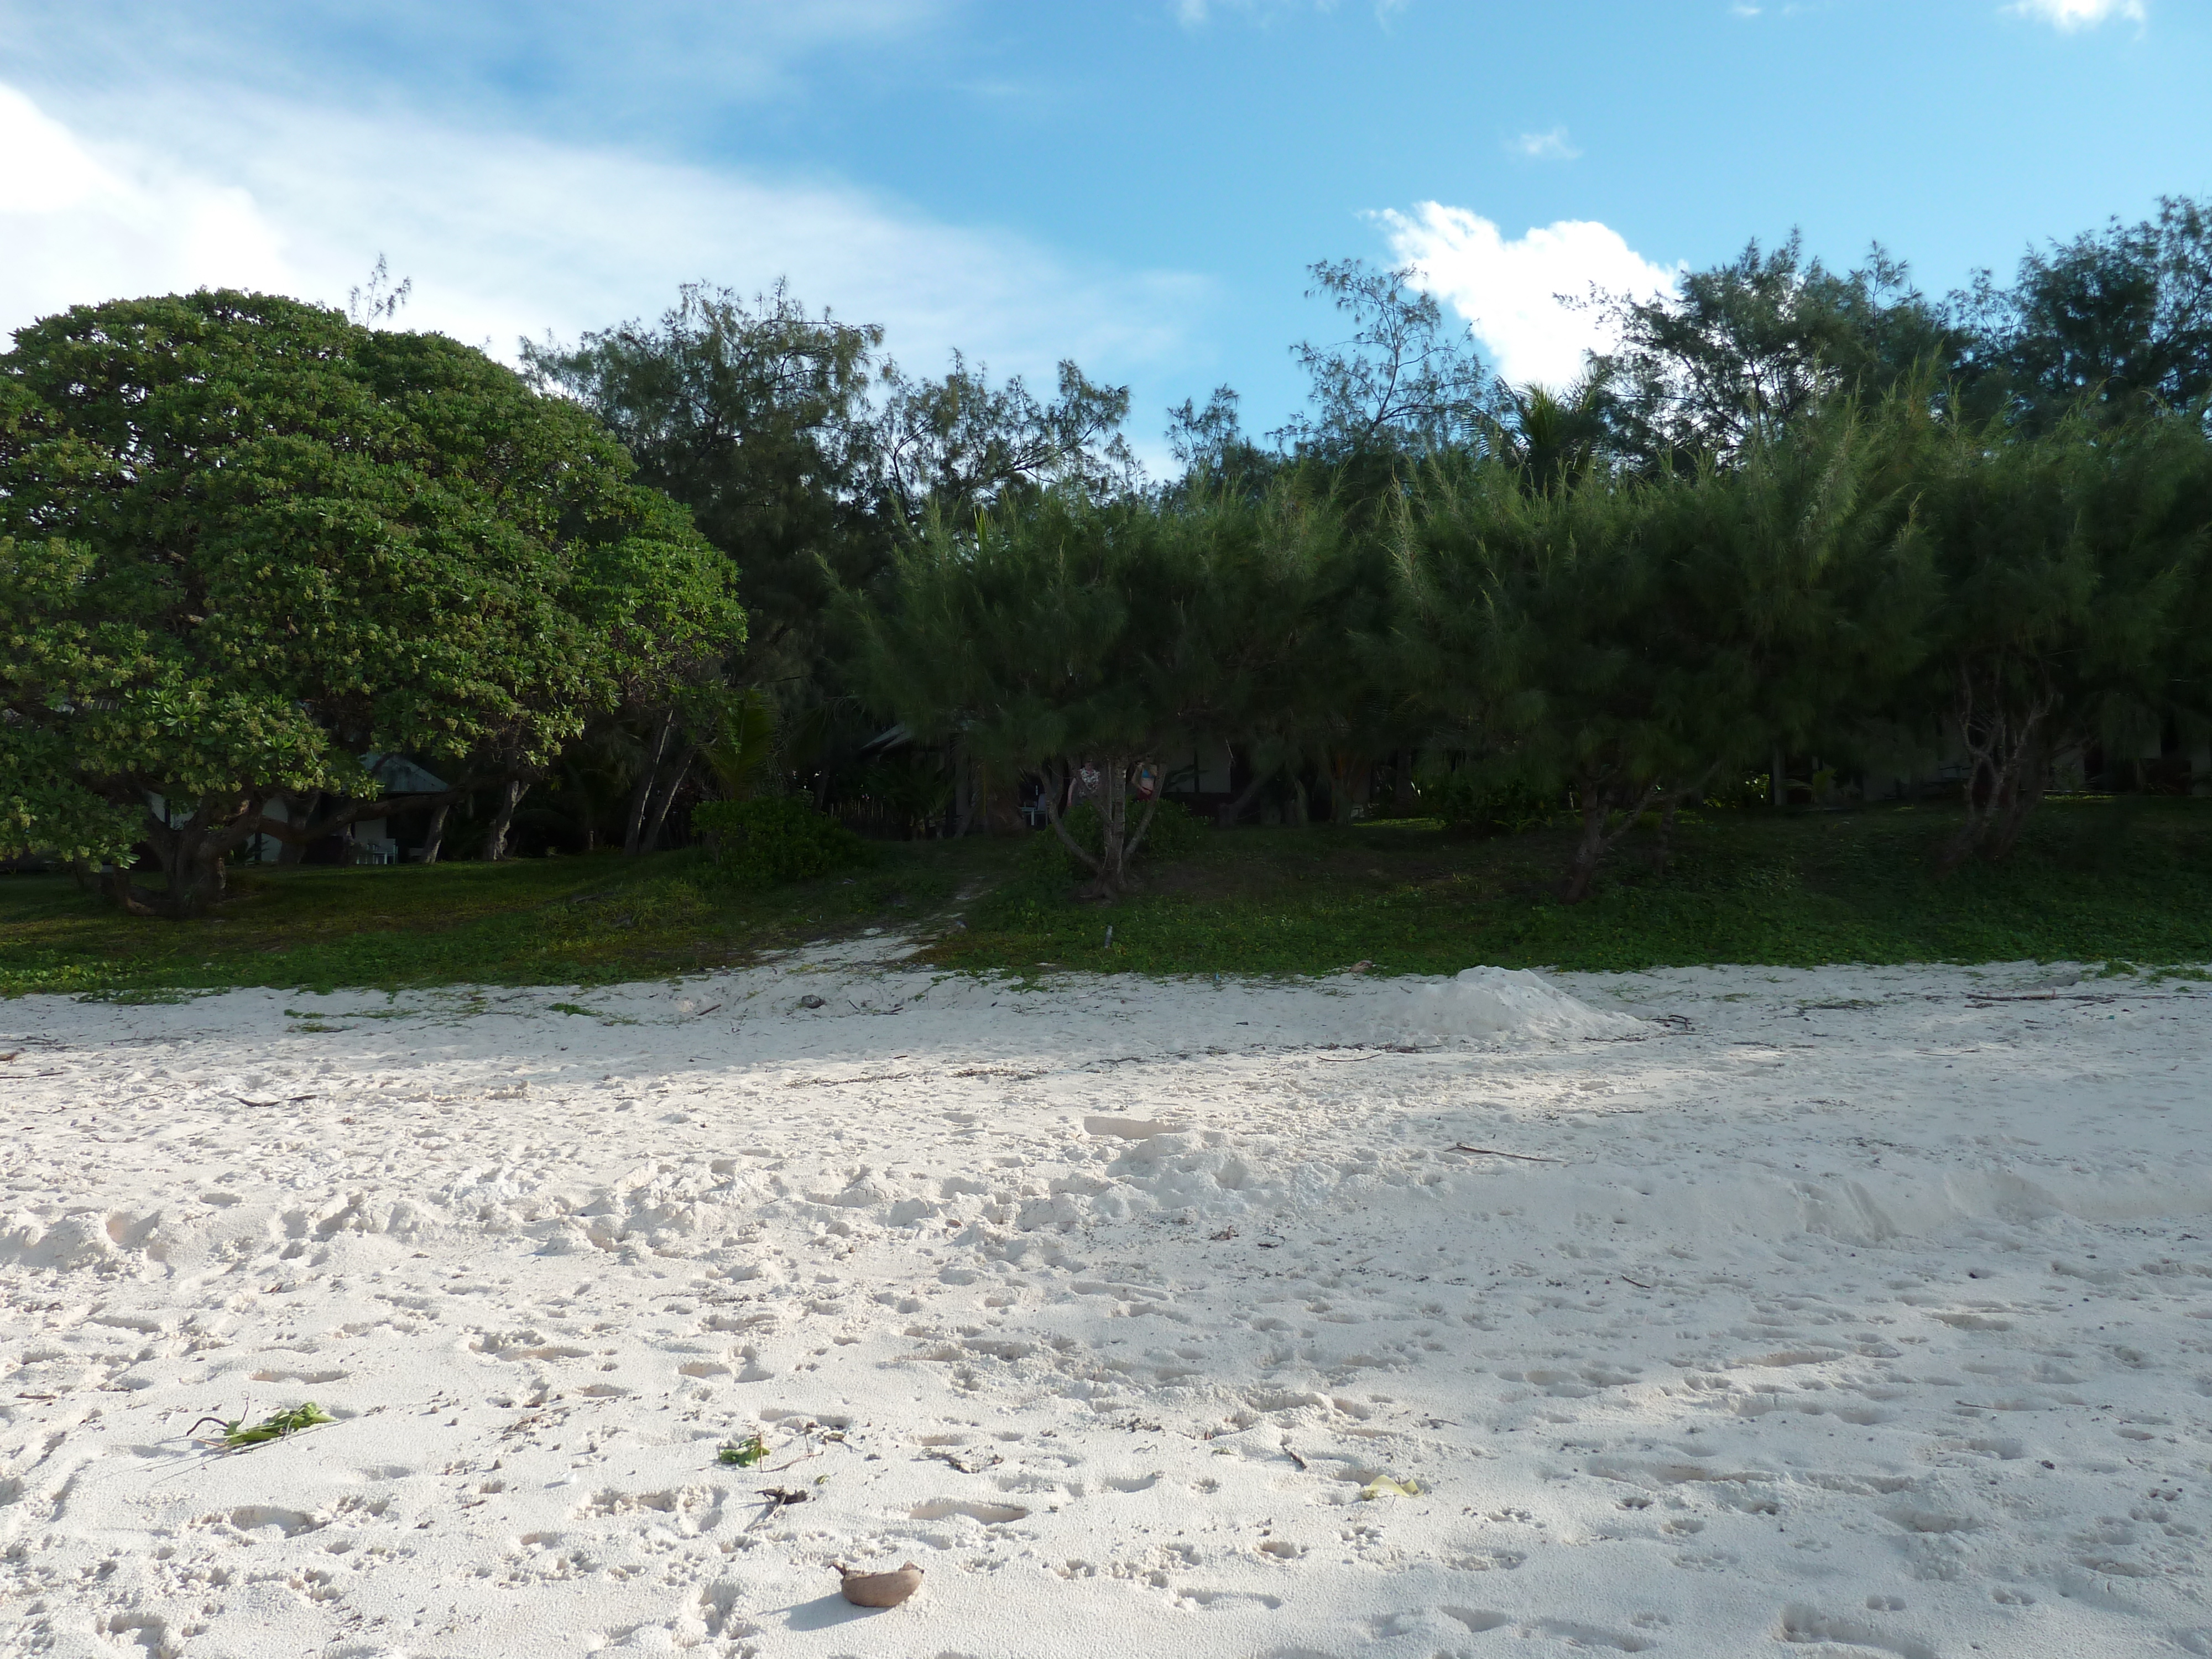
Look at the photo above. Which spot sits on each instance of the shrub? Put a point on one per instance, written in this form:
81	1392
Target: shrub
1176	833
775	840
1487	806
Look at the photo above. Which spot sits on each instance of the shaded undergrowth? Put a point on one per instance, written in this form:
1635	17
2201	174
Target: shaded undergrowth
2126	879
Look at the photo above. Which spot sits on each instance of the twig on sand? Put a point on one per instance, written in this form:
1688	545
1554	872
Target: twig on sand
777	1498
1492	1152
943	1457
1294	1458
1638	1283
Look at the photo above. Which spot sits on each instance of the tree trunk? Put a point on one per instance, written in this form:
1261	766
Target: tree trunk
1144	826
510	797
2008	768
1597	840
190	854
663	798
1053	788
966	790
1113	819
1225	817
641	798
295	852
1346	774
195	873
1117	847
436	838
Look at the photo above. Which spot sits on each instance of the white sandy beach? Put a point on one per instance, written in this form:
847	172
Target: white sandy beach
1863	1312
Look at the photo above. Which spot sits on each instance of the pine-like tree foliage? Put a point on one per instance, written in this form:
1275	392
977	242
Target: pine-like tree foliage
1062	632
2070	565
1623	640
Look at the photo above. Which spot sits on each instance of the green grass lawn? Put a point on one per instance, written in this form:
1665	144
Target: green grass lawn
2110	880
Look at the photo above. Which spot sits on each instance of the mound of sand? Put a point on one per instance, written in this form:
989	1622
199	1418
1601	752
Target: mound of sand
1488	1002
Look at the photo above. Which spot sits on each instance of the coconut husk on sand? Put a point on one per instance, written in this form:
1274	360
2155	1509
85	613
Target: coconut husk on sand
880	1589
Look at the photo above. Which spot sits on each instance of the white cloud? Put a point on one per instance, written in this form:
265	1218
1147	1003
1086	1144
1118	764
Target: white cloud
2071	15
1510	291
506	235
73	221
1552	146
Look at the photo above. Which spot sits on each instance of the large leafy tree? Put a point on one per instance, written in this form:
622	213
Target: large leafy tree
1401	382
754	414
2121	317
1740	352
806	459
251	541
959	444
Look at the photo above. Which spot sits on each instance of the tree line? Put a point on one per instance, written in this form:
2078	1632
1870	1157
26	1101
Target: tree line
248	546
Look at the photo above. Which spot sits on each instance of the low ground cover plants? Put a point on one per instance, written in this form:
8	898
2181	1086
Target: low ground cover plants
2122	880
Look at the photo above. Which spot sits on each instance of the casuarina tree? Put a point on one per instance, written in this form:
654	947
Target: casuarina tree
1077	640
1623	640
2069	562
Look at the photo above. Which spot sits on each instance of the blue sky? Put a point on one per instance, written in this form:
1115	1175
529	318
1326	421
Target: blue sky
1138	184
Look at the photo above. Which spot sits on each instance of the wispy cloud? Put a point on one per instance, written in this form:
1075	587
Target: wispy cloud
1196	13
1552	146
1517	293
557	60
2071	15
506	235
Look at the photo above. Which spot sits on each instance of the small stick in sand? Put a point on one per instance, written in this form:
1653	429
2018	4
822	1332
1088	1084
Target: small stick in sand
1492	1152
777	1498
879	1590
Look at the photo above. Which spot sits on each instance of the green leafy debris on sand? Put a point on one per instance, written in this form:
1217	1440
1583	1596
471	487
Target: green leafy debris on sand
744	1453
239	1434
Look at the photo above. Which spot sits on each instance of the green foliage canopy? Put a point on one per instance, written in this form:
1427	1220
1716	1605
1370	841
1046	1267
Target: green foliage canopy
250	541
1061	630
2070	564
1625	638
